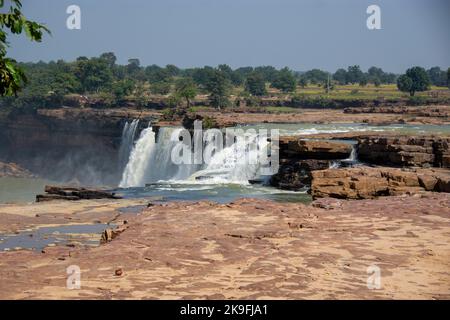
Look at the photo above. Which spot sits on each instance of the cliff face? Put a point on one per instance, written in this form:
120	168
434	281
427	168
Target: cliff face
67	145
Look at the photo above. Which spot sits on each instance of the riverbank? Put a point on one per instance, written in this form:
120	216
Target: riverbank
251	249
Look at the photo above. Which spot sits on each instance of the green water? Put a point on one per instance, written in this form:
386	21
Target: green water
20	190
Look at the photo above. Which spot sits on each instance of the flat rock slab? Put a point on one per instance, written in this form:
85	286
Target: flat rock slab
254	249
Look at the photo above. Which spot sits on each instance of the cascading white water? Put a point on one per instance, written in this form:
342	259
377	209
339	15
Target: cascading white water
354	154
127	142
350	161
237	163
139	161
151	162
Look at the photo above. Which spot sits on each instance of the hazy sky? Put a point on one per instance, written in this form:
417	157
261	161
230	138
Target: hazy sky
301	34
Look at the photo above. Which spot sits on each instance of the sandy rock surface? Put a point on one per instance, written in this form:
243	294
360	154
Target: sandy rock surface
253	249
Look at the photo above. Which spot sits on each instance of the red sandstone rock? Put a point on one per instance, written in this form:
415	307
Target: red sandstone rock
368	182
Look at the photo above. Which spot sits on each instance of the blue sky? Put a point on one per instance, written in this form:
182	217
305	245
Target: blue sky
300	34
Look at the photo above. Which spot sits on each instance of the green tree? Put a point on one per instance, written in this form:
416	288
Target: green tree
94	74
133	66
140	94
376	82
404	84
162	87
226	70
340	76
415	79
354	74
303	82
186	89
363	81
110	58
218	87
122	88
316	76
12	77
448	78
240	74
285	81
268	72
437	76
172	70
255	84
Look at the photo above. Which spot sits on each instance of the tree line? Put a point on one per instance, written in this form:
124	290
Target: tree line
48	83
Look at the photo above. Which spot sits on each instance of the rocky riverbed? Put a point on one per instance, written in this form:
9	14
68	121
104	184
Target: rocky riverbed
381	200
248	249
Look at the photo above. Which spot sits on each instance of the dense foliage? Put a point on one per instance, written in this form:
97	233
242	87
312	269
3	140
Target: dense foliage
102	79
12	77
415	79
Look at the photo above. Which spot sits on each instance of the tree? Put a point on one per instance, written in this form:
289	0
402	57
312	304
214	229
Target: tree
404	84
340	76
203	75
140	94
255	84
134	65
377	82
415	79
155	74
110	58
239	75
375	72
363	81
12	77
162	87
437	77
226	70
172	70
269	73
448	78
218	88
354	74
285	81
303	82
93	74
186	89
122	88
316	76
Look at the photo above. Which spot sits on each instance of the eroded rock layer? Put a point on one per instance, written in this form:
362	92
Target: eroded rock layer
405	150
367	182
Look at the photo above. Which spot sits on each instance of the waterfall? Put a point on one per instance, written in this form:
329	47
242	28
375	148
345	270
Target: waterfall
151	161
349	162
139	161
127	142
237	163
354	154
